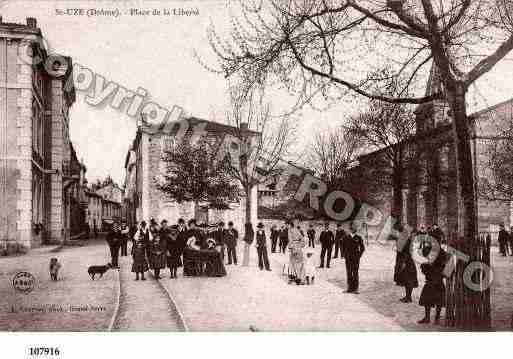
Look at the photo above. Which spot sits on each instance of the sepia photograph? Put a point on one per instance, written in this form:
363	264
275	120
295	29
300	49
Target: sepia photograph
256	166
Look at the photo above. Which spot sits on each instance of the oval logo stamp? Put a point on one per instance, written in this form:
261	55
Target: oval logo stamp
23	282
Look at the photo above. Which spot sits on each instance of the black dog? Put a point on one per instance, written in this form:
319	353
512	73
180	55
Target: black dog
93	270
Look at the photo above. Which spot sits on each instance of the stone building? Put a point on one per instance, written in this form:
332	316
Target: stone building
144	164
36	93
94	210
428	187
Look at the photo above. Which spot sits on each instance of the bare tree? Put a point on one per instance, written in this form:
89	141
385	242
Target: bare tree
264	142
496	180
385	127
331	156
326	49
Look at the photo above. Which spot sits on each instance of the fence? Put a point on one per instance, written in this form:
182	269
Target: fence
468	308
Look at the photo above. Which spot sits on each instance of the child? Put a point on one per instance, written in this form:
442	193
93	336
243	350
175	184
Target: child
309	268
139	255
157	255
173	251
433	293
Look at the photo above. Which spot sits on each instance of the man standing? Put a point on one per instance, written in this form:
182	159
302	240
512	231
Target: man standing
124	239
231	243
311	236
354	249
339	241
263	259
503	240
284	238
219	235
114	242
275	233
326	238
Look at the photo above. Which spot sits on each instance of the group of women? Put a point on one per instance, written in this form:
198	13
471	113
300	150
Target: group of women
433	260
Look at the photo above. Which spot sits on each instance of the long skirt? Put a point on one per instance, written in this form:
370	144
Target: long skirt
174	260
297	266
433	294
405	272
192	263
139	266
214	266
158	260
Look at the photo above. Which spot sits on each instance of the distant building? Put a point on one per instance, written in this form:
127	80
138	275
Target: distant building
38	174
429	186
94	210
143	165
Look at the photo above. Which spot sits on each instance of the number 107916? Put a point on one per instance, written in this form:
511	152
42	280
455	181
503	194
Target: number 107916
44	351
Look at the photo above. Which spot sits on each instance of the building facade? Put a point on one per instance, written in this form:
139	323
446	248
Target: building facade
36	93
429	184
144	164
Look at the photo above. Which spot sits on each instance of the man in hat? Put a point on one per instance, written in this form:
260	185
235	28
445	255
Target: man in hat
354	249
327	239
114	242
503	240
311	236
263	259
231	237
219	235
339	241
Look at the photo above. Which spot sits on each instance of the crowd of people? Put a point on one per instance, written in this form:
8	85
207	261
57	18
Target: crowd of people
206	250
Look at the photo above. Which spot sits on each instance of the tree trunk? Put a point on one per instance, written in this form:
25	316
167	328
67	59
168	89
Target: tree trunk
465	303
247	215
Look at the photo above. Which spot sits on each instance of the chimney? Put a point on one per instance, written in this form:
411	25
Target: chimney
1	21
31	22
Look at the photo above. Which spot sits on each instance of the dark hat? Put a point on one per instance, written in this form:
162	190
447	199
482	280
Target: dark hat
221	224
230	223
191	221
260	225
181	220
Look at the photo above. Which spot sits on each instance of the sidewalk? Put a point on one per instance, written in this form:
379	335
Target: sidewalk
250	297
74	303
143	304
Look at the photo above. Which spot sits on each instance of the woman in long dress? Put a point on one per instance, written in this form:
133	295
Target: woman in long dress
405	271
296	259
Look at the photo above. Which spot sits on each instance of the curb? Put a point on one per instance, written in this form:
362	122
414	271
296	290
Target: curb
175	307
118	301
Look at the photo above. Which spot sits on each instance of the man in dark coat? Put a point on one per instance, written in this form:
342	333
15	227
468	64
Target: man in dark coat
125	232
219	237
114	242
181	238
275	234
327	239
261	244
503	240
354	249
311	236
231	237
339	241
284	238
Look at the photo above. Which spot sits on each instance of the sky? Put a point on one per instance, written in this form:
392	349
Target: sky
156	53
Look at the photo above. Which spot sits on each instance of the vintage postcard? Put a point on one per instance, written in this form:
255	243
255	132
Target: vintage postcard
256	166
